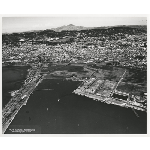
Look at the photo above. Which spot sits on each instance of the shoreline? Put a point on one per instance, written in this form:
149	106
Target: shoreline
109	100
20	98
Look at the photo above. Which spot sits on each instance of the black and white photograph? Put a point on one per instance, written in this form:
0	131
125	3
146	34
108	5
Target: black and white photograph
74	74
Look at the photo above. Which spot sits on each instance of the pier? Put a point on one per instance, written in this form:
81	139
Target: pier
109	99
20	98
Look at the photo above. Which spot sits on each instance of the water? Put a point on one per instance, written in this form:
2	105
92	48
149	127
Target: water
59	111
12	79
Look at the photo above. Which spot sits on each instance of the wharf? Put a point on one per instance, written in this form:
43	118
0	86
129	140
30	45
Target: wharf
18	100
109	100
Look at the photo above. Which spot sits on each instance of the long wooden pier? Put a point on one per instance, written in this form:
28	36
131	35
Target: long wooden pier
18	100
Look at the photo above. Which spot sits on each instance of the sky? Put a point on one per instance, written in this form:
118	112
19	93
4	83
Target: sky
20	24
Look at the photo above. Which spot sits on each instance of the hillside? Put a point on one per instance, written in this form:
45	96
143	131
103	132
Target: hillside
72	31
69	27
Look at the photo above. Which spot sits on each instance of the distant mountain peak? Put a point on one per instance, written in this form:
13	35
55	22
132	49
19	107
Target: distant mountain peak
69	27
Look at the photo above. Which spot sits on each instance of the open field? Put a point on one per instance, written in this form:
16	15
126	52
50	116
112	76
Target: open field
63	71
132	76
131	88
136	76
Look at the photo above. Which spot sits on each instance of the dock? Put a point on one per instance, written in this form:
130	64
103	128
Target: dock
110	100
19	99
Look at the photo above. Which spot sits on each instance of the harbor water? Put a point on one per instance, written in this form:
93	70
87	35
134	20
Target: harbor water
59	111
12	79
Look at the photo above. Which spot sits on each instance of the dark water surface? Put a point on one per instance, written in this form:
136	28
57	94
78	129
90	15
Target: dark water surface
12	79
59	111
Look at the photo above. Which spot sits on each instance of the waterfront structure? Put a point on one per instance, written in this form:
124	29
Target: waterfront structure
105	91
20	97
